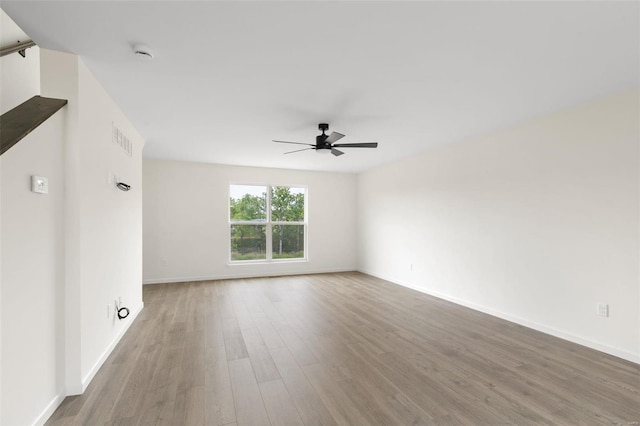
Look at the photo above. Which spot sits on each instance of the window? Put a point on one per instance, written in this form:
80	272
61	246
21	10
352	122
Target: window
267	223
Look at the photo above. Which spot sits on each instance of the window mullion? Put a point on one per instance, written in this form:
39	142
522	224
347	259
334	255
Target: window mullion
269	251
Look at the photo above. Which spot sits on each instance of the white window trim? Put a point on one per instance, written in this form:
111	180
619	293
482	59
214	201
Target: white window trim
268	224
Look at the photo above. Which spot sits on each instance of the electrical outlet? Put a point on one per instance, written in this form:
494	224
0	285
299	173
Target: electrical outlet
164	261
411	267
119	300
108	310
603	309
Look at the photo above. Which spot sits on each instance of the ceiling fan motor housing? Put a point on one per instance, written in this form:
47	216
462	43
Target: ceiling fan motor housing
321	140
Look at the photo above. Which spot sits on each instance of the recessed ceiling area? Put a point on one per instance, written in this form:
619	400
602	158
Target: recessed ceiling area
228	77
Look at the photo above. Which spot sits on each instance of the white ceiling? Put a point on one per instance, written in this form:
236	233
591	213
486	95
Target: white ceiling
230	76
10	33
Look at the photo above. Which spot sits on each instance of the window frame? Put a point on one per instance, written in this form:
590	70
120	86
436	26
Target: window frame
268	223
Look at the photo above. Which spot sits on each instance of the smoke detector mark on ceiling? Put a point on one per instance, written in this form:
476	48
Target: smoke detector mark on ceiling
142	51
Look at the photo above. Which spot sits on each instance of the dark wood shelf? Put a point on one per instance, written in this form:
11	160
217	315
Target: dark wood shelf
23	119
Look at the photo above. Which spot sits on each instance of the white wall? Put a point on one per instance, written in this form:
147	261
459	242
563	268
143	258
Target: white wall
31	256
32	276
111	221
19	78
60	80
536	223
103	228
185	218
65	256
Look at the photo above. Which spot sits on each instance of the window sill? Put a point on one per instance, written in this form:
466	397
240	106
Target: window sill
265	262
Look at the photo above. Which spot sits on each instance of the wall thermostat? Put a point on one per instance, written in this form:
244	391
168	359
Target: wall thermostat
39	184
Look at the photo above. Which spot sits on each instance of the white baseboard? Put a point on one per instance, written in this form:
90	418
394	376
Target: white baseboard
629	356
79	389
50	408
241	276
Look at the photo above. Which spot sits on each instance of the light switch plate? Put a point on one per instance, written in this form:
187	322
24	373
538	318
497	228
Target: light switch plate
39	184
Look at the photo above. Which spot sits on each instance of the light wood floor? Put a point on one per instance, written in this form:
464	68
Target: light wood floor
343	349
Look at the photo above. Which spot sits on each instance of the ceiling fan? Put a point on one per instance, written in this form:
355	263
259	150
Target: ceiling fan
325	143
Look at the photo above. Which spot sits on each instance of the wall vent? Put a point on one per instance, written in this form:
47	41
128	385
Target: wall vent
121	140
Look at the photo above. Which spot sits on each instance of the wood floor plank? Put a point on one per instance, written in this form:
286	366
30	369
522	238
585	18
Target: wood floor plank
219	404
244	317
279	405
347	349
296	345
380	397
213	330
189	406
138	385
336	400
269	335
246	394
261	360
233	340
309	404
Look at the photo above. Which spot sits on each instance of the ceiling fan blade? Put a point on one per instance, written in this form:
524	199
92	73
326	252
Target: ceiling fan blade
298	150
334	136
295	143
357	145
336	152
